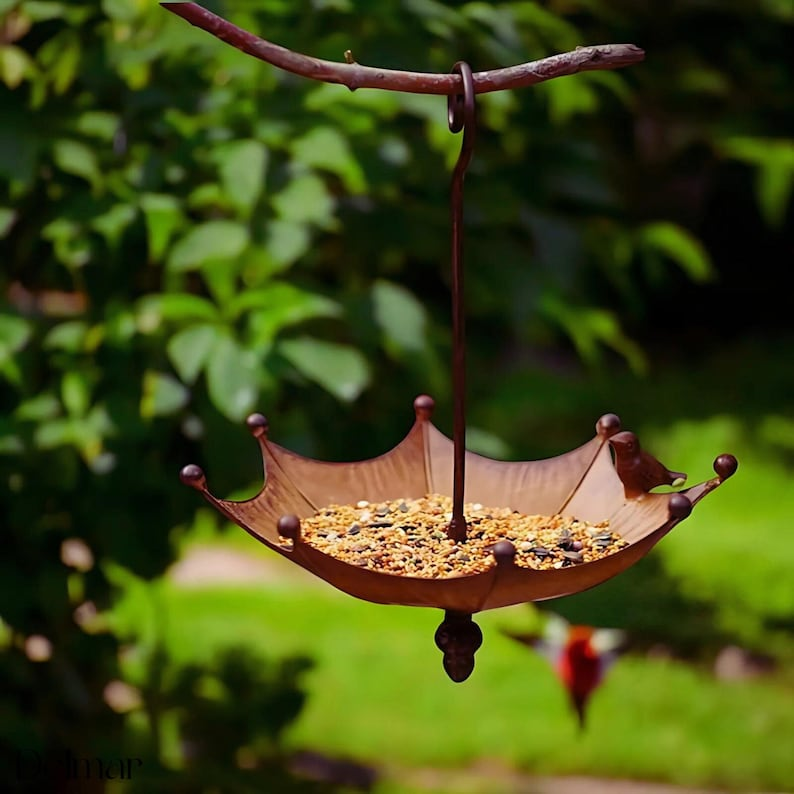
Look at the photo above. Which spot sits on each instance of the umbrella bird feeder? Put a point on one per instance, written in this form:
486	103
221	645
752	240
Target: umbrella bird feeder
606	488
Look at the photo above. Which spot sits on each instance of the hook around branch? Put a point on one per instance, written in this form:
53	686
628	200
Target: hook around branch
461	106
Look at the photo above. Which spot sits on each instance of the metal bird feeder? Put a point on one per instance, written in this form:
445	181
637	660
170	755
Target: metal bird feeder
586	482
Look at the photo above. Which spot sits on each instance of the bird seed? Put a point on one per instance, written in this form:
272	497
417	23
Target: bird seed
408	537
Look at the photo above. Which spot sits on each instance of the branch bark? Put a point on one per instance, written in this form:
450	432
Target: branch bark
354	75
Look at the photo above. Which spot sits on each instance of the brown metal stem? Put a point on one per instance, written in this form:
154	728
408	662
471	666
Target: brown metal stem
355	75
462	114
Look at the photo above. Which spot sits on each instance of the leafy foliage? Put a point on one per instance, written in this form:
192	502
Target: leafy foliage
230	715
187	234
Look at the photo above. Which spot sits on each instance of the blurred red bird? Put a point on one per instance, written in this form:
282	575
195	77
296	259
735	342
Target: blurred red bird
580	656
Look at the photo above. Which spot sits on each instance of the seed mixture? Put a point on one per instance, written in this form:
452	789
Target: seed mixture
408	537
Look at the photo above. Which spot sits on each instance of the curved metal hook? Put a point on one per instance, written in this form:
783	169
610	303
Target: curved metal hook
462	108
462	115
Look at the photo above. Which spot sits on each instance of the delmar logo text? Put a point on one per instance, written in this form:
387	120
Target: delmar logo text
30	765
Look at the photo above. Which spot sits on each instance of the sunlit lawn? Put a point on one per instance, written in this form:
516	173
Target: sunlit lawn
378	693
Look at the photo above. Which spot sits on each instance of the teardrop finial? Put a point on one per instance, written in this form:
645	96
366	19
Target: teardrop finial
458	638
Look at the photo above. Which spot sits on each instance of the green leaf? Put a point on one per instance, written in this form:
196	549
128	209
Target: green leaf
122	10
153	309
14	335
774	160
98	425
680	246
221	281
400	316
305	199
437	17
162	395
98	124
287	242
74	157
56	433
485	443
209	199
189	350
210	241
163	215
232	378
279	306
70	242
75	393
42	10
63	68
11	444
774	186
15	65
339	369
568	98
324	99
242	166
69	336
120	325
38	409
546	22
326	148
590	327
85	434
8	217
111	224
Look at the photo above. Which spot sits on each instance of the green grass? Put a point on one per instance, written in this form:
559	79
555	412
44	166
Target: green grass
735	550
378	693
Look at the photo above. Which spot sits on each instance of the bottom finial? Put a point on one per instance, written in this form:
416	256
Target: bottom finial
458	638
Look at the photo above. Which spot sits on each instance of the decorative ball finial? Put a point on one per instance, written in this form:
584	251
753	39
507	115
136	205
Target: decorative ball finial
679	506
423	406
258	425
289	526
504	552
608	425
725	466
193	476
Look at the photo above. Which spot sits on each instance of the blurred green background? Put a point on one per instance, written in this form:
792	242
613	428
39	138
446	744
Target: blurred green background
188	234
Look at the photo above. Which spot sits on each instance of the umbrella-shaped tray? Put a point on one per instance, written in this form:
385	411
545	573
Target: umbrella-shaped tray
595	507
584	483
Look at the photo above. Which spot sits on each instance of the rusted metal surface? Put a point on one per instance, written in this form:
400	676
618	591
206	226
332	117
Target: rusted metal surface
583	483
462	115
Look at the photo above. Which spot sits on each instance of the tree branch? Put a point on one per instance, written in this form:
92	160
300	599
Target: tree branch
354	75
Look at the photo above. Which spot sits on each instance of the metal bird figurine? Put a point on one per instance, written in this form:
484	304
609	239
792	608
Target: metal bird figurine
640	472
580	656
